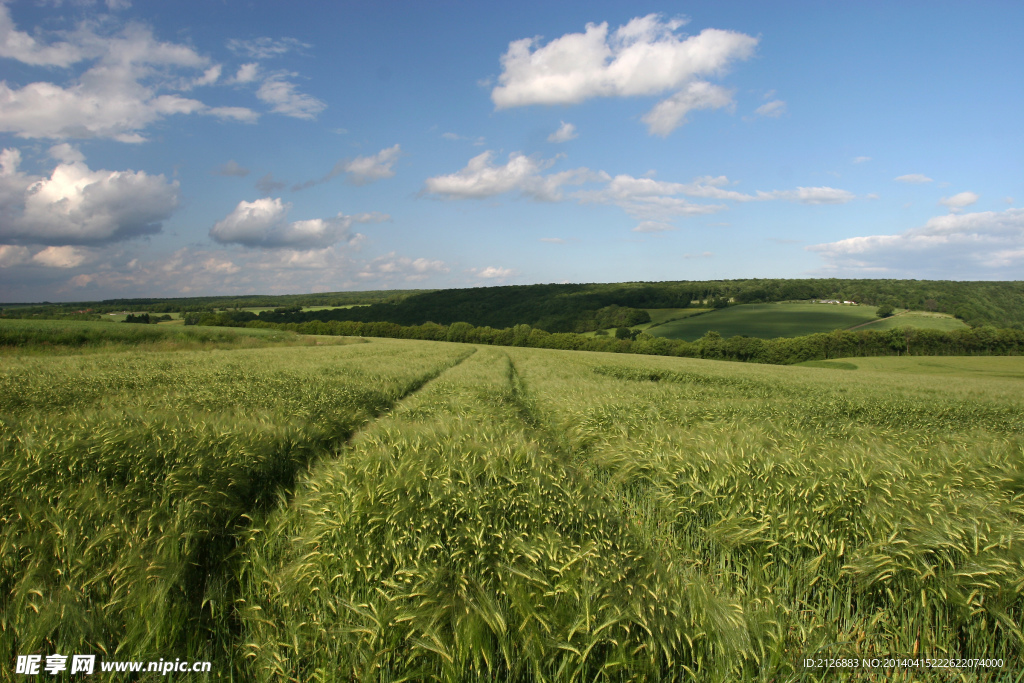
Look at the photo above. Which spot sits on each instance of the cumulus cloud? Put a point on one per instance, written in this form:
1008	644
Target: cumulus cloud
120	94
970	246
861	160
655	200
15	44
481	178
61	257
671	113
913	178
14	255
264	223
76	205
773	109
959	201
363	170
643	57
811	195
284	97
492	272
565	132
247	73
393	267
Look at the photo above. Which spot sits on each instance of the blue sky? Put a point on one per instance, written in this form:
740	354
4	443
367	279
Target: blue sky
193	148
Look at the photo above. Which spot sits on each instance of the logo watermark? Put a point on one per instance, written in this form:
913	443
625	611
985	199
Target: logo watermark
37	665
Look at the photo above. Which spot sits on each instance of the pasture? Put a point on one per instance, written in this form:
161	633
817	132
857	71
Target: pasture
922	320
767	321
406	510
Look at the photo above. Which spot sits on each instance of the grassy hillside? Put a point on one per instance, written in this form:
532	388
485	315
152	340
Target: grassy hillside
767	321
921	320
454	512
958	368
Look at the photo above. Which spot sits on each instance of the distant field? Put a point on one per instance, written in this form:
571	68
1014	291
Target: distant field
663	315
21	336
976	367
409	510
919	319
768	321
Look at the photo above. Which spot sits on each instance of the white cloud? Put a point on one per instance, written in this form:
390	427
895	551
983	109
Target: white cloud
13	255
914	178
773	109
240	114
363	170
565	132
119	95
286	99
391	267
360	171
644	57
553	240
811	195
15	44
492	272
61	257
958	201
671	113
209	77
265	48
654	226
264	223
69	154
647	199
77	205
861	160
247	73
481	178
963	246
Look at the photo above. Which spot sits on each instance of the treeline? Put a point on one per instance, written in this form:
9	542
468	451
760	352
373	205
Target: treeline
576	307
983	341
573	307
85	310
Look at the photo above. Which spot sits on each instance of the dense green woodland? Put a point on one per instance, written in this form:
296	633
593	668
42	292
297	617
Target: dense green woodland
581	307
979	341
86	309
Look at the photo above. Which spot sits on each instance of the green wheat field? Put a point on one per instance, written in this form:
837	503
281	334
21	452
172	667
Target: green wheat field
292	510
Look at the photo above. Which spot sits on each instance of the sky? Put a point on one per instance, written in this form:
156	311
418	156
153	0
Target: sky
161	149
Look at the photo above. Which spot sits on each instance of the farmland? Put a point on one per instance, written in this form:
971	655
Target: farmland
919	319
436	511
767	321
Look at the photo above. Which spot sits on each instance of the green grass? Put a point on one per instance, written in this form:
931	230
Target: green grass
767	321
402	510
663	315
995	367
71	336
127	480
919	319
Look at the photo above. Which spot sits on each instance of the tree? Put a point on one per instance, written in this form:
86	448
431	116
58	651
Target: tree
884	311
